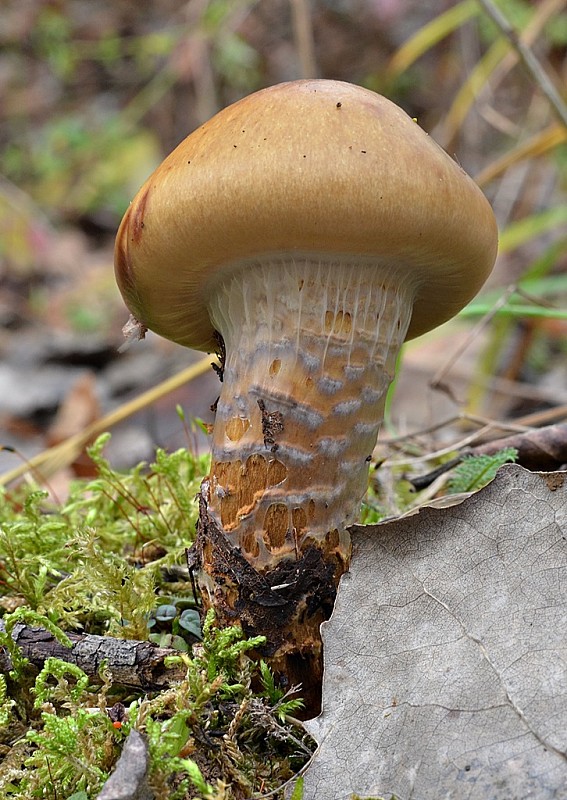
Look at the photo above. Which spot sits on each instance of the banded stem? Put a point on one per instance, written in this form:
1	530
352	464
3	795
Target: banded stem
310	352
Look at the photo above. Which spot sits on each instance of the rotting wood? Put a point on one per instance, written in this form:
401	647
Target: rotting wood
138	664
286	604
272	425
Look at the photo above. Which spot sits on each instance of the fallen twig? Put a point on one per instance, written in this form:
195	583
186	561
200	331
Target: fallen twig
60	455
137	664
542	449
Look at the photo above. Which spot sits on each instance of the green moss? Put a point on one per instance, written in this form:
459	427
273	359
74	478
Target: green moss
96	562
111	561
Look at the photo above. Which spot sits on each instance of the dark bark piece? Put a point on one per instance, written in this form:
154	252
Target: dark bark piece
133	663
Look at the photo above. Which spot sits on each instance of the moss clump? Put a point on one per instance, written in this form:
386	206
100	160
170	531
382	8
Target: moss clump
111	561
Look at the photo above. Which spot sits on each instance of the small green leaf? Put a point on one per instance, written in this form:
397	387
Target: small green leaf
190	621
166	613
474	472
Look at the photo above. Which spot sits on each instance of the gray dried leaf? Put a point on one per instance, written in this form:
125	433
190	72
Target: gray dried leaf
446	655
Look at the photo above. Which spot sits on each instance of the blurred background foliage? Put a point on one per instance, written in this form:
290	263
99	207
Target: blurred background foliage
95	94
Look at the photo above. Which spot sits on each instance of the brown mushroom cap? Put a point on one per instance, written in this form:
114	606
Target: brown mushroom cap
309	169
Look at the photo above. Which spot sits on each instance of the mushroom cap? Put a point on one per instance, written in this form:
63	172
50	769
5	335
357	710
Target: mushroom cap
307	169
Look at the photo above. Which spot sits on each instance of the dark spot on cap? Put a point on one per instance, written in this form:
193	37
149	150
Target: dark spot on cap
122	262
137	212
338	105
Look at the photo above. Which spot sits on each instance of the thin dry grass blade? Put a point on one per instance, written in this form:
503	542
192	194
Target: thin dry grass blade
470	90
536	146
52	459
499	57
430	35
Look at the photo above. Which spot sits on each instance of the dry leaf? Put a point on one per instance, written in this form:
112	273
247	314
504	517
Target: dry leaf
79	409
446	655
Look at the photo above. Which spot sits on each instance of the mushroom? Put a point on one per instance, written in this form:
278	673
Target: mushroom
309	229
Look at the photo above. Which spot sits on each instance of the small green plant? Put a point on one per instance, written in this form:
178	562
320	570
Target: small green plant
56	669
297	793
280	700
71	746
172	625
217	695
6	703
97	562
73	752
474	472
212	723
111	561
31	548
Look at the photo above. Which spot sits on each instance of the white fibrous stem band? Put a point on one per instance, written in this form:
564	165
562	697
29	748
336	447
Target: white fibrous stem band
310	352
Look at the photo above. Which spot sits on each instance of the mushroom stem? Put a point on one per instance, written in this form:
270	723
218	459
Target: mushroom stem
310	352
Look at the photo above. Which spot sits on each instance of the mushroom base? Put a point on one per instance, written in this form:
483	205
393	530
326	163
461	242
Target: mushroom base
285	605
310	352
